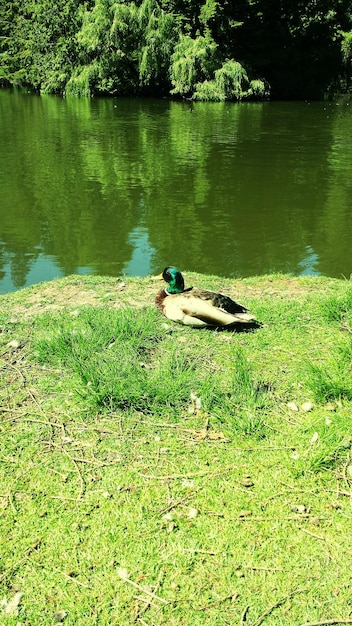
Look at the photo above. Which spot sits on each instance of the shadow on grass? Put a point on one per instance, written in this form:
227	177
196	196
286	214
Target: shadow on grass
237	327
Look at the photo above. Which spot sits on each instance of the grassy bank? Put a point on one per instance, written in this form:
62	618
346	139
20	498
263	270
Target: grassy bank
155	474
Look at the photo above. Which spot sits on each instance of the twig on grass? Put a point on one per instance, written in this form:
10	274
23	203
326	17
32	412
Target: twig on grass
64	498
345	326
329	622
18	372
328	554
73	579
248	449
312	534
244	615
149	600
261	568
51	424
90	461
5	409
271	608
196	551
344	472
291	488
16	565
80	477
298	517
36	421
175	503
338	492
12	502
278	494
231	596
151	594
229	468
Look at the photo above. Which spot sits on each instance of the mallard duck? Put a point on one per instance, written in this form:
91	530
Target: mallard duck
198	307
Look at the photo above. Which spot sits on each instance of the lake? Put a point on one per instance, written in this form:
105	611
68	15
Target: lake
127	186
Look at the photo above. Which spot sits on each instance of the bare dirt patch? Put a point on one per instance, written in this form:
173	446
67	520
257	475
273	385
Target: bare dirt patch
74	292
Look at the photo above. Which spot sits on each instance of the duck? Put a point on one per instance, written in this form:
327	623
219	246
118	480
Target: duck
199	308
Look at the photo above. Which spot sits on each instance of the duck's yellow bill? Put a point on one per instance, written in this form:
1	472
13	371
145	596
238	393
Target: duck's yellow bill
158	277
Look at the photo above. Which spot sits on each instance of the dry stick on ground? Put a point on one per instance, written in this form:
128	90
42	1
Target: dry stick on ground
262	617
328	554
228	468
231	596
93	462
80	477
312	534
18	371
298	517
13	418
76	581
175	503
336	491
278	494
191	430
51	424
142	621
35	421
64	499
261	568
96	463
291	490
149	600
349	330
12	502
195	551
14	567
344	472
244	615
308	532
152	595
329	622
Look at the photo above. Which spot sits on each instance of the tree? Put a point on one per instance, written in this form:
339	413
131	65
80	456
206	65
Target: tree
124	48
204	49
231	82
346	48
192	61
40	44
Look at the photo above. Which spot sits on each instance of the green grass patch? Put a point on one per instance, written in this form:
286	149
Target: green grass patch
125	361
155	474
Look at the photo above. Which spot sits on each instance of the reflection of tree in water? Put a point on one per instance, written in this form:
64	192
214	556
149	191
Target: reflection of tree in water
226	189
333	234
64	199
248	195
21	262
2	262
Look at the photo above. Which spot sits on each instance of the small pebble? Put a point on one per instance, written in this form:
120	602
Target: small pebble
60	616
14	344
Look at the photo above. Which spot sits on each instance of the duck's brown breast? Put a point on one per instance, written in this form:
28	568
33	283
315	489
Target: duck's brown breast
159	299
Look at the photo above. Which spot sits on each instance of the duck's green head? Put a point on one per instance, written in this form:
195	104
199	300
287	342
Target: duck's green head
174	279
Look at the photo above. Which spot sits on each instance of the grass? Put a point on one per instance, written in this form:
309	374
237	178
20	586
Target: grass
155	474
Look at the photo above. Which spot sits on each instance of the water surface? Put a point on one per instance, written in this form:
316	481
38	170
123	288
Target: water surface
128	186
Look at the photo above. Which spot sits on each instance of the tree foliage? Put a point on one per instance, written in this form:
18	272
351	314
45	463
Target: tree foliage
192	60
201	49
346	47
39	47
231	82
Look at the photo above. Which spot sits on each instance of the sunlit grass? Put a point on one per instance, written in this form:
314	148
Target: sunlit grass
126	361
155	474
